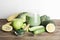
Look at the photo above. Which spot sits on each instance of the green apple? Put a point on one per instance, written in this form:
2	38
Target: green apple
17	24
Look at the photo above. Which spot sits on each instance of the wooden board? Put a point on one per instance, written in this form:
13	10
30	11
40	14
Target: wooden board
44	36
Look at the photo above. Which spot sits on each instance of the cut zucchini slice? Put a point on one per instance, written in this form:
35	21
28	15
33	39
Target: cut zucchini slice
50	27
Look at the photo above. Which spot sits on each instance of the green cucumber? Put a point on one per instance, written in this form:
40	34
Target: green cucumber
35	28
39	31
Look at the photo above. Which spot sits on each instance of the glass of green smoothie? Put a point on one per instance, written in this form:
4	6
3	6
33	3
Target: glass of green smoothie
34	19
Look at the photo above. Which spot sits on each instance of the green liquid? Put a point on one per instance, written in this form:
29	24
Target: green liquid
34	20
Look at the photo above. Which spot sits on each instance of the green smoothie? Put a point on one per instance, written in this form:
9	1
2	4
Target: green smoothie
34	19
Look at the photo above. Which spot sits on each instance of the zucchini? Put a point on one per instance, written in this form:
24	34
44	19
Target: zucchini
50	27
35	28
44	23
39	31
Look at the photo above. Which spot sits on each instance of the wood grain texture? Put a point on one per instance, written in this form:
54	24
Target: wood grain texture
44	36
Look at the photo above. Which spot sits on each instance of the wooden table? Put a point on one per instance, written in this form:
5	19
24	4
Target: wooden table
44	36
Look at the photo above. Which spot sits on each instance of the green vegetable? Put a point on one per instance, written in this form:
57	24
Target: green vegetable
50	27
33	20
35	28
27	19
23	16
20	31
17	24
23	26
44	23
27	28
44	18
39	31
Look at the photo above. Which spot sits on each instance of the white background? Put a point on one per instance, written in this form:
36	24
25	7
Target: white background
42	7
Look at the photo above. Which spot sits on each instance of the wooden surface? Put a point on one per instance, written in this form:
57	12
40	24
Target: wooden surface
44	36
